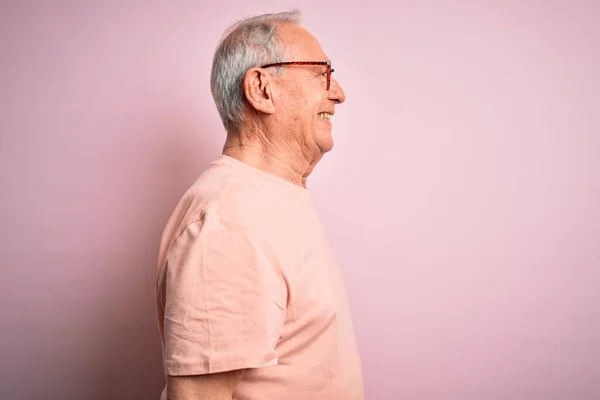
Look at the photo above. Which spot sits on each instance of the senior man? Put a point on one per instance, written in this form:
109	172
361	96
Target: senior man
250	302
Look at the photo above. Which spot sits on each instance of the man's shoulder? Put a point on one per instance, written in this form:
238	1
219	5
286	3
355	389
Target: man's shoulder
218	193
217	198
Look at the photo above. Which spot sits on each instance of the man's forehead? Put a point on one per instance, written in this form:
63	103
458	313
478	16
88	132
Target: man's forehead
300	43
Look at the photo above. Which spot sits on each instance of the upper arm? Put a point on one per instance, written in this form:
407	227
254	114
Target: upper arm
224	301
219	386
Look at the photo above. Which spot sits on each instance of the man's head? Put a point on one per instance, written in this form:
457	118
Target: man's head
289	104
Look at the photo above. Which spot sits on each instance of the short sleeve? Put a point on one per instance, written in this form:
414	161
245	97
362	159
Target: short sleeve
224	300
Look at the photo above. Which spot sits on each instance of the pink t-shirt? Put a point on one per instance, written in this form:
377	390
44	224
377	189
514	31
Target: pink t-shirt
246	280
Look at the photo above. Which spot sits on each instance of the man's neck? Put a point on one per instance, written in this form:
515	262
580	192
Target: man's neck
266	157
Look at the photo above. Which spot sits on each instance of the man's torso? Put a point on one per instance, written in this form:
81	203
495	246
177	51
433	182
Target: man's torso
314	353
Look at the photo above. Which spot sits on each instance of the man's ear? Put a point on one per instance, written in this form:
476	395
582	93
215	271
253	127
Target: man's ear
257	86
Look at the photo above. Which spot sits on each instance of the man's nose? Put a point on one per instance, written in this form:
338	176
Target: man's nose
336	93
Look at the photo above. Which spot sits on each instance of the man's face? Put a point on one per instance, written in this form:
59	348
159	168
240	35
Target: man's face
305	105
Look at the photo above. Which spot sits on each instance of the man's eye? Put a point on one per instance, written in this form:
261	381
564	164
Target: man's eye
325	73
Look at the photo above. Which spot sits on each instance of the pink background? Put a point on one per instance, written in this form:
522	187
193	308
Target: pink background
462	197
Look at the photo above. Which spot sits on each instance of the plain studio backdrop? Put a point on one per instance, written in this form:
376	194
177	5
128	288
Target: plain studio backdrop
462	197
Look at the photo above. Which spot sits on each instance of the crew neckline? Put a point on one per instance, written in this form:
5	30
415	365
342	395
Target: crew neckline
225	159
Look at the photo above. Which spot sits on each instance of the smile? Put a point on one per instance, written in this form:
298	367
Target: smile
325	115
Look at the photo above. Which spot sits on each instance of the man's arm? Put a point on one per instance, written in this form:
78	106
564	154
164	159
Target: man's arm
219	386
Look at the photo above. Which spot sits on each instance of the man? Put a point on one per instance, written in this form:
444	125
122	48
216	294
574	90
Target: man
250	302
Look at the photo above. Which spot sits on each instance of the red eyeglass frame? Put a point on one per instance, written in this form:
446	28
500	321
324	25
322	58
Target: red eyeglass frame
327	63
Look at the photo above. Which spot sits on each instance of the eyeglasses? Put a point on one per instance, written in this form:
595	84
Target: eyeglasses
327	63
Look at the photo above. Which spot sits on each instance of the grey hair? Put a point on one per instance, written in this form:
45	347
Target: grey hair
248	43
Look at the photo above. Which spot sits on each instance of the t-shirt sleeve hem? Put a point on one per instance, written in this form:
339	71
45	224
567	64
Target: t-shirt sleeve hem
223	366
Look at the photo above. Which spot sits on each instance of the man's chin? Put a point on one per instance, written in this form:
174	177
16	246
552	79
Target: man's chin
324	140
326	146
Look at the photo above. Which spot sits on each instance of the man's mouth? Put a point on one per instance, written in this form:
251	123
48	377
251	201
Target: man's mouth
325	115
